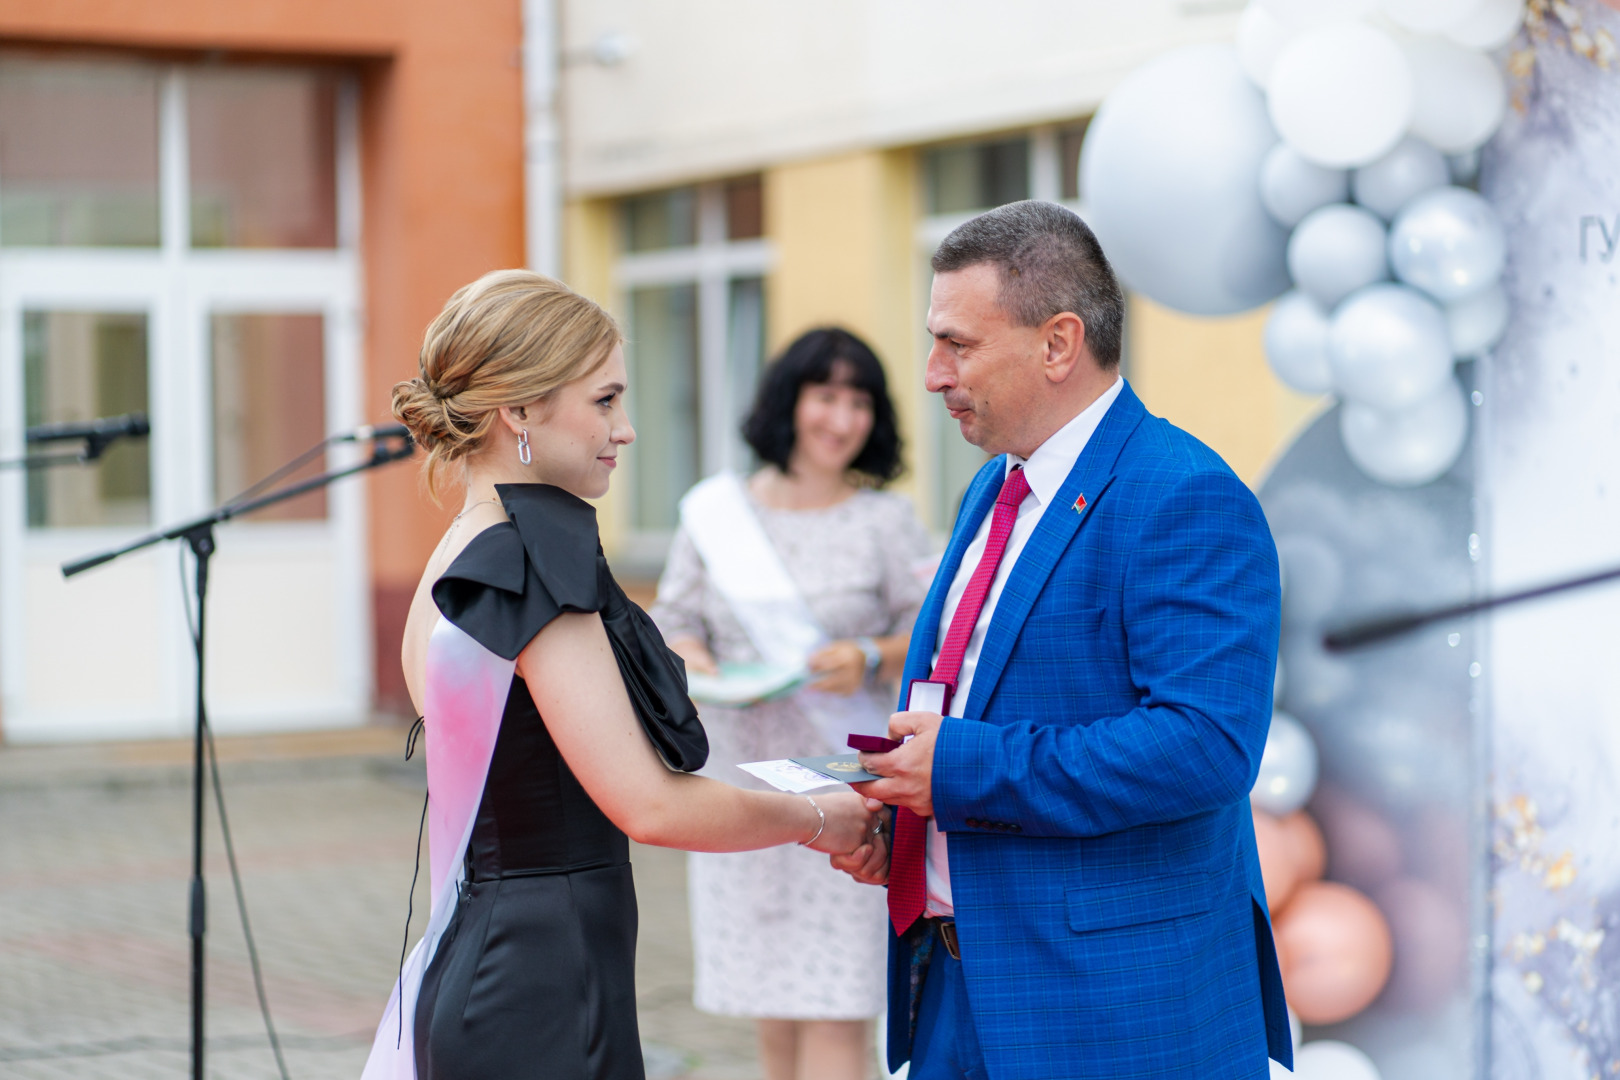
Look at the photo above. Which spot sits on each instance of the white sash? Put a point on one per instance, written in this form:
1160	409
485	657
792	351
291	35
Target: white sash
745	568
466	690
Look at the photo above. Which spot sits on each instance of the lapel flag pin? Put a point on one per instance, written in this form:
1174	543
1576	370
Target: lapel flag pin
1080	504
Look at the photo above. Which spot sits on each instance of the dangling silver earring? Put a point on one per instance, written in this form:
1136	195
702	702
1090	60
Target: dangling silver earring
523	447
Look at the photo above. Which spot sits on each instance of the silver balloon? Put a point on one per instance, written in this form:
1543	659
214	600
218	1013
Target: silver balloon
1412	446
1292	187
1449	243
1296	344
1287	768
1398	177
1337	250
1477	322
1388	347
1169	166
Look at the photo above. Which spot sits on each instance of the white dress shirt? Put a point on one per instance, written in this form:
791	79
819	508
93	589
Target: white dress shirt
1046	470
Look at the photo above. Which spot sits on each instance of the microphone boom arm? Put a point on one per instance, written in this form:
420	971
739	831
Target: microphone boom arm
380	455
1372	631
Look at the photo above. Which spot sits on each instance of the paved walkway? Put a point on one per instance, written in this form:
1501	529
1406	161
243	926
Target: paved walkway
94	958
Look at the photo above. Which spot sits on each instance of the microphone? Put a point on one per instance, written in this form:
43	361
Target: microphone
366	432
103	431
97	434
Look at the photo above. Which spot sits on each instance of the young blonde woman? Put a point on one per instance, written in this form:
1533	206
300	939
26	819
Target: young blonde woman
556	720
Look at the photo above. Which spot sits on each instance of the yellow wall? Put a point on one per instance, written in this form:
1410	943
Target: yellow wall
589	246
1209	377
842	229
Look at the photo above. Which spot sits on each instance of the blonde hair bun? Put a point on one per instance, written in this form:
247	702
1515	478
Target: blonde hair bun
513	337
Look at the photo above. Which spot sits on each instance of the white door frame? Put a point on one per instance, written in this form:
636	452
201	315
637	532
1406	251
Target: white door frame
178	288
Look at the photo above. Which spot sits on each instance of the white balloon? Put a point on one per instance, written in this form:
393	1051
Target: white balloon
1388	347
1429	16
1337	250
1328	1059
1341	94
1477	322
1315	12
1292	187
1287	768
1490	25
1169	166
1460	96
1409	447
1296	344
1449	243
1395	179
1260	37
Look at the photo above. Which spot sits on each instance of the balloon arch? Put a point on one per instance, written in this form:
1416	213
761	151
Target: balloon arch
1327	162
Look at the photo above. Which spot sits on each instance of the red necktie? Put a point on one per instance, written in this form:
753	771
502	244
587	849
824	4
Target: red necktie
908	875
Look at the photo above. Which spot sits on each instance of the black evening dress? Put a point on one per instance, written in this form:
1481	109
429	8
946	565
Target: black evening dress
535	975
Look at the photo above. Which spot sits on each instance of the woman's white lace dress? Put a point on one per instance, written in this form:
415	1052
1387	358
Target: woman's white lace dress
779	933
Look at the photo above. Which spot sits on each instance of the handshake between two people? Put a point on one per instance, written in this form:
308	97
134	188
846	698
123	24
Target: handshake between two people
907	773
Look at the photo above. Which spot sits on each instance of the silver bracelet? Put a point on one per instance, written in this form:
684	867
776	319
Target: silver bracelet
820	813
873	654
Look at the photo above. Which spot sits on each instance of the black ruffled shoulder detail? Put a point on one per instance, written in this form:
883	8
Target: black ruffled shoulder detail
512	579
655	678
560	539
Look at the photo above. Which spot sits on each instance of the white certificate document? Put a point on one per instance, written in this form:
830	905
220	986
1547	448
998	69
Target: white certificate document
786	775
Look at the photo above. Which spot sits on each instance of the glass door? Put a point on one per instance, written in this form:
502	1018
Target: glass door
181	241
91	661
289	632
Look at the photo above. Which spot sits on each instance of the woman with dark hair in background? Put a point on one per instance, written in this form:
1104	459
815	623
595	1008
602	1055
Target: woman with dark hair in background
778	935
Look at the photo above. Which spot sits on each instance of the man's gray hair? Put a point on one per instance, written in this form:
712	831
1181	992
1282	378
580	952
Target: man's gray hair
1048	261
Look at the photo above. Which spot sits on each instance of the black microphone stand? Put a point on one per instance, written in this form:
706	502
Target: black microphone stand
1385	627
199	534
95	444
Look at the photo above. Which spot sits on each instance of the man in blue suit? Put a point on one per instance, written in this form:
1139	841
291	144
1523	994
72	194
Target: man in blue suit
1073	882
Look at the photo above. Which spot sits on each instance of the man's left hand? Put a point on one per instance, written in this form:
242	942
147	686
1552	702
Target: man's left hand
908	771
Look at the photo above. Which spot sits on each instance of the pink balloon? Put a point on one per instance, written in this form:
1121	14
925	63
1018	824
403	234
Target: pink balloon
1277	866
1335	951
1363	849
1306	847
1430	933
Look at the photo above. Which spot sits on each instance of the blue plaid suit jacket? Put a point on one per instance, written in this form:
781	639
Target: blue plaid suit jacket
1095	792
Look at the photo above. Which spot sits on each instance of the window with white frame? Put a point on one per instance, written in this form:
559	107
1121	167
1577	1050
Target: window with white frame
960	180
179	240
691	276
